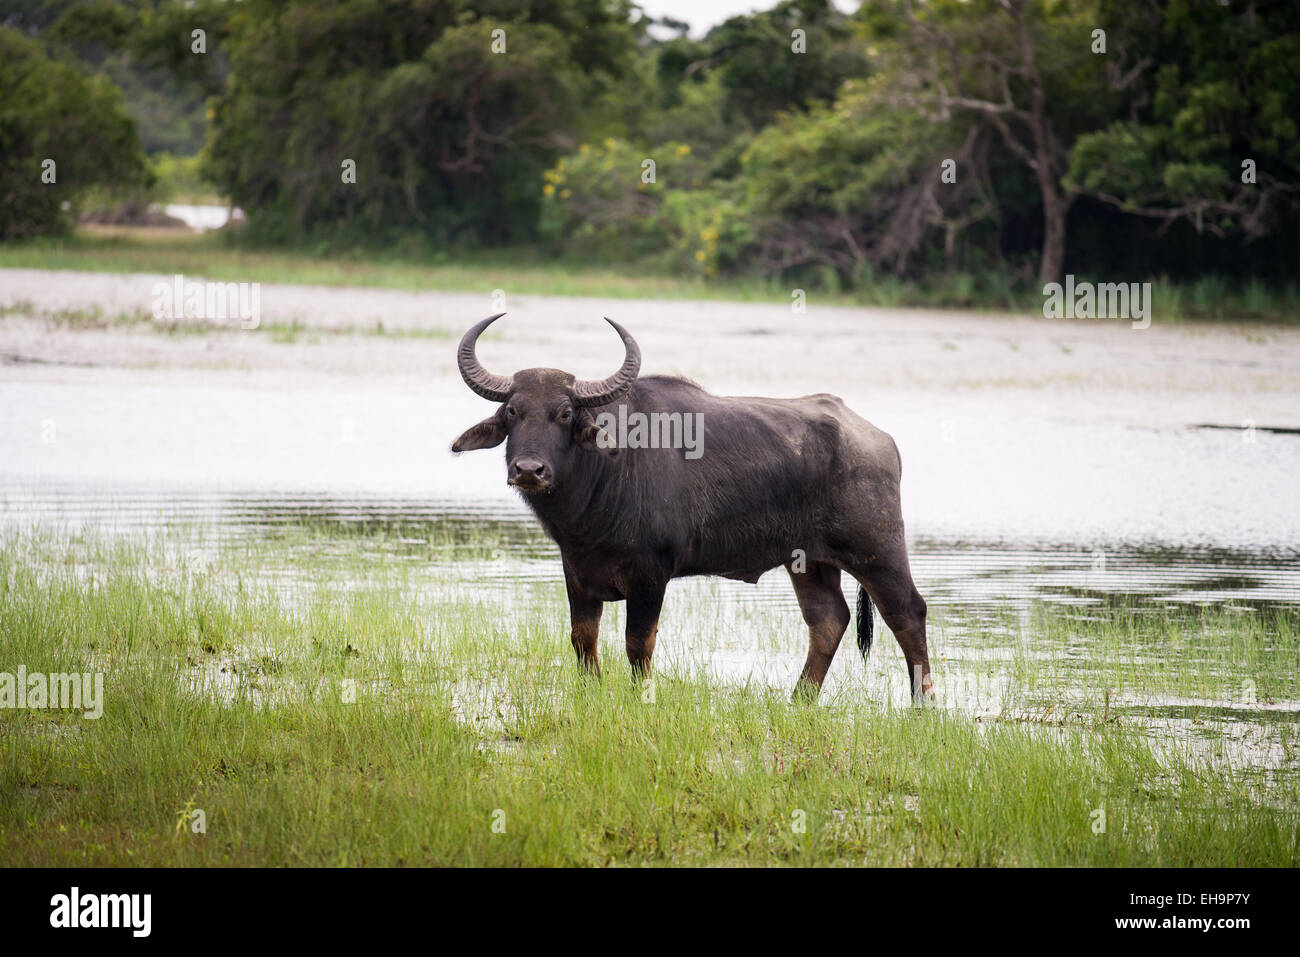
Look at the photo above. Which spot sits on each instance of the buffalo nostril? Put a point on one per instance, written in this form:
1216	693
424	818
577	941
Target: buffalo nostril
529	469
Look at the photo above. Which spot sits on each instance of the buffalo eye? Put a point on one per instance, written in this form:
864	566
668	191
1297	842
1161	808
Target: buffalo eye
510	411
566	416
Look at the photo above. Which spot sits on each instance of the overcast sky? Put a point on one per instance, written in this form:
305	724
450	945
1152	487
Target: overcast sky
703	14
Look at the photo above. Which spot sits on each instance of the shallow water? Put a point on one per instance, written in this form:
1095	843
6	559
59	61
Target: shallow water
964	575
1012	496
1013	479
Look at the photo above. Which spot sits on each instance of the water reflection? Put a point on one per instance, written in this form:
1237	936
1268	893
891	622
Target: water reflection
975	576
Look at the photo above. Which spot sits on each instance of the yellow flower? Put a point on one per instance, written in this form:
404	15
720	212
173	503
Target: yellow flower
683	150
701	255
584	149
709	234
609	142
565	193
548	189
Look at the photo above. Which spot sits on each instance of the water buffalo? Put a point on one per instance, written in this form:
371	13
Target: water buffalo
801	483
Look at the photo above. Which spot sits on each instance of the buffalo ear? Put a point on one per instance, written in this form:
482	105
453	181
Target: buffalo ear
592	437
488	434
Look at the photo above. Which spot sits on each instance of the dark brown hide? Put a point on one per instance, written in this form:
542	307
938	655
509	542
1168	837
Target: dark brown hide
804	484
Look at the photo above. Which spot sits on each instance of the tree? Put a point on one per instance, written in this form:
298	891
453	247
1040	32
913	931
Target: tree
854	186
1022	68
1211	137
51	113
146	51
763	73
447	124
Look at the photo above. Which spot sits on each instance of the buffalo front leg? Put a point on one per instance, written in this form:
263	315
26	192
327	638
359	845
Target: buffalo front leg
584	614
643	605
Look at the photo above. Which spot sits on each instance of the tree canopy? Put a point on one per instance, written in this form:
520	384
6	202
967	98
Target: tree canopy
1024	138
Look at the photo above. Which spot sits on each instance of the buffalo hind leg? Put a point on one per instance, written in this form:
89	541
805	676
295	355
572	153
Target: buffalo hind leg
584	614
888	580
643	604
827	615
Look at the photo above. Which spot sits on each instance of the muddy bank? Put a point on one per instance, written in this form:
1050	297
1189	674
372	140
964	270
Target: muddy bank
886	360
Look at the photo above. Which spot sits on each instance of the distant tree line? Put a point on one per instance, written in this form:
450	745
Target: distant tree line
1016	139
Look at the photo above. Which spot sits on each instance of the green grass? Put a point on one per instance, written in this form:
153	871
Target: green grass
520	272
327	698
529	272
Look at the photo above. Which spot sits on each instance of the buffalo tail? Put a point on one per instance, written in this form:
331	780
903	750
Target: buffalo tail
866	622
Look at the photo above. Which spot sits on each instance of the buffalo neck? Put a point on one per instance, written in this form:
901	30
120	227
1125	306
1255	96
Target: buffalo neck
594	504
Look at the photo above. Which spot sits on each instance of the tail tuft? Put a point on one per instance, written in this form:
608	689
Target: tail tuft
866	622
